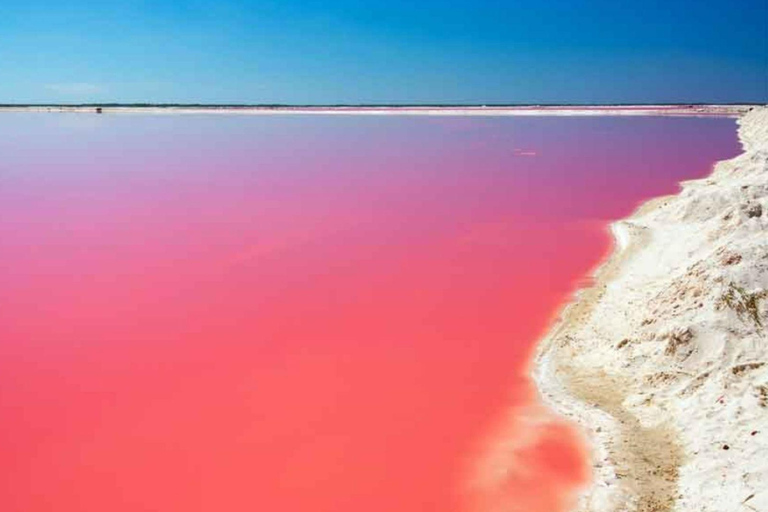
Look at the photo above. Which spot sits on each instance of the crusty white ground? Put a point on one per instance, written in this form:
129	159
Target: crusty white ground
660	363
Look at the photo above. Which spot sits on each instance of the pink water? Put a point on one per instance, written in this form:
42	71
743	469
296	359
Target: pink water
221	313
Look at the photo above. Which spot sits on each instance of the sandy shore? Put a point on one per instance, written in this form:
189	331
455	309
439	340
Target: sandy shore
629	110
662	363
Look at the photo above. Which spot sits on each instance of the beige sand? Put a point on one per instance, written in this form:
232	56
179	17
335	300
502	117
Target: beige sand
662	363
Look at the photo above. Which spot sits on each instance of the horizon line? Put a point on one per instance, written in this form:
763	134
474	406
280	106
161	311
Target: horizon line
371	105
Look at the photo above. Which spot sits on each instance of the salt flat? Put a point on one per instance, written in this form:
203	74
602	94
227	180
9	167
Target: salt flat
535	110
663	361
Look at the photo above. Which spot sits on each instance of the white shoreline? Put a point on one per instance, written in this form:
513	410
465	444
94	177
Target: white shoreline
623	110
668	384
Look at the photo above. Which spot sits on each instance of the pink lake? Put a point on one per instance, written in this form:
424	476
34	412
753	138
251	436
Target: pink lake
300	313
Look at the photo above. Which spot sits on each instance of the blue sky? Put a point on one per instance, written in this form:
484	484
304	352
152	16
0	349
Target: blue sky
395	51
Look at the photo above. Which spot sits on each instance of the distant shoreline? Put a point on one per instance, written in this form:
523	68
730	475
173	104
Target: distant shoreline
459	110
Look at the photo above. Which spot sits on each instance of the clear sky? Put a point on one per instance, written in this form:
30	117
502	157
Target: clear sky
383	51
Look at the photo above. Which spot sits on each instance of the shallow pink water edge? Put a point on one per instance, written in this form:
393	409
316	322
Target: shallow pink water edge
288	313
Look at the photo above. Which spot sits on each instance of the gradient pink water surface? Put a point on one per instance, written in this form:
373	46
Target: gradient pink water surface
293	313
